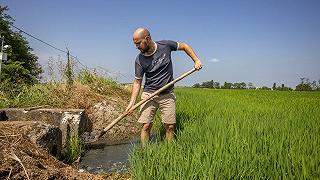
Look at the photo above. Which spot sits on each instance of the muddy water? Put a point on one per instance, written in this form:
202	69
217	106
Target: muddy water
108	158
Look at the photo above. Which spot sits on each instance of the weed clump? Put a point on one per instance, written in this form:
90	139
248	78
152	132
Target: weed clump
74	148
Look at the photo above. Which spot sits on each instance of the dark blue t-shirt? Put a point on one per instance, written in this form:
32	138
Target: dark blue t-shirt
157	67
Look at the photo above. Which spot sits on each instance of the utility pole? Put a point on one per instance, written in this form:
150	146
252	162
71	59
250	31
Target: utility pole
2	40
3	56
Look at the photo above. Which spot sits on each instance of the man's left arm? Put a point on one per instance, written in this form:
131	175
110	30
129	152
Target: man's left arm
188	49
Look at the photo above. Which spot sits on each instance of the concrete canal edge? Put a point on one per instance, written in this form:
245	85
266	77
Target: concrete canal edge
48	128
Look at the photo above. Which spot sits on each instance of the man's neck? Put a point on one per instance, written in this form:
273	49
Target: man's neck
152	49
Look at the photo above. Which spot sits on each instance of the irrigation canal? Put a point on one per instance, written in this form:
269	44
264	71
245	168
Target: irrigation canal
107	158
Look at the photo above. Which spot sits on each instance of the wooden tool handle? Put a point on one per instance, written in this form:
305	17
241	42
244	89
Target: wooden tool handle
144	100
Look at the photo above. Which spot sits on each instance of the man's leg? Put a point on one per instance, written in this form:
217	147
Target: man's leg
167	105
169	132
145	133
147	112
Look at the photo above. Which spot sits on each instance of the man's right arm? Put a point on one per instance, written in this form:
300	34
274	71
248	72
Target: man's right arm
135	91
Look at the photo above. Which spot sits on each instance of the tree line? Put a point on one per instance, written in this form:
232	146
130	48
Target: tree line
22	66
304	85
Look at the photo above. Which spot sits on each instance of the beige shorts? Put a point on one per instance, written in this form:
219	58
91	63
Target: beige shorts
166	103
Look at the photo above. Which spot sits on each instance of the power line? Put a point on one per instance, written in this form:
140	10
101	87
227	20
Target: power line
38	39
77	59
56	48
48	44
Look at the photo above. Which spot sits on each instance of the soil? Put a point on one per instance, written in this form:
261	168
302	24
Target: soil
22	159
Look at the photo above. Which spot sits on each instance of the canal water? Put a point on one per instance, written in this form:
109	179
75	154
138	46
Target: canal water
109	158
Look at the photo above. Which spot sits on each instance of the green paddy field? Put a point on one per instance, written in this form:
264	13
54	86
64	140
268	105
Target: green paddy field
237	134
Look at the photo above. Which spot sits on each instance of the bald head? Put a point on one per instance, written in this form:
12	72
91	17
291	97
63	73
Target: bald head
141	33
142	40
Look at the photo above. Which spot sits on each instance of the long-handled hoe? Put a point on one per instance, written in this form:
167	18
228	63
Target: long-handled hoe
101	133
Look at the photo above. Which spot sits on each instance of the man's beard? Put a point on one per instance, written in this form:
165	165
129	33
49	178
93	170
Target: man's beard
144	50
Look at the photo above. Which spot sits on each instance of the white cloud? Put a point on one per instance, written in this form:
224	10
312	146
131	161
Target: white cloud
214	60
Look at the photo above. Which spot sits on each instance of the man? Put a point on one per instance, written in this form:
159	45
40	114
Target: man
154	61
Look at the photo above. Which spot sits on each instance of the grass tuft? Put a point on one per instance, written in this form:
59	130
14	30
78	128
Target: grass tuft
73	149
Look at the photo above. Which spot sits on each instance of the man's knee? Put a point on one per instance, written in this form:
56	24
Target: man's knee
169	127
147	127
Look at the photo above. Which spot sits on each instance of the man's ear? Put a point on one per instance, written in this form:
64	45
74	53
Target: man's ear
148	38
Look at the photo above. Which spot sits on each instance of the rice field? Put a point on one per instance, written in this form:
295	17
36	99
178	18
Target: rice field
237	134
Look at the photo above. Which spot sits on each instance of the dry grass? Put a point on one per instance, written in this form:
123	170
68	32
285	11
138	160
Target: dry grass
21	159
80	96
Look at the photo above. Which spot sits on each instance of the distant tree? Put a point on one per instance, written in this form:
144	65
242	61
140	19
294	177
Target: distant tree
241	85
274	87
283	88
251	86
226	85
235	85
265	88
304	85
207	84
22	66
216	85
314	85
197	85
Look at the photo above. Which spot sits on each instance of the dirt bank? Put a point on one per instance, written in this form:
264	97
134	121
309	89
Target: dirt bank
102	105
103	113
21	159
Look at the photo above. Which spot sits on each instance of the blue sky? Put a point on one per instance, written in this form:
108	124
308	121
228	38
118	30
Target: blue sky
249	40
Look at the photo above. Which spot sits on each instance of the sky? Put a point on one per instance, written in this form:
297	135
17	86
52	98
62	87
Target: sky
263	42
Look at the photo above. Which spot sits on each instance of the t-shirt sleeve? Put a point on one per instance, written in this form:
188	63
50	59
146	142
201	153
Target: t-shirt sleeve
138	70
172	44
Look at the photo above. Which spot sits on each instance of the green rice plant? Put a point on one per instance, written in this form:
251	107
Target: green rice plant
234	134
73	148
